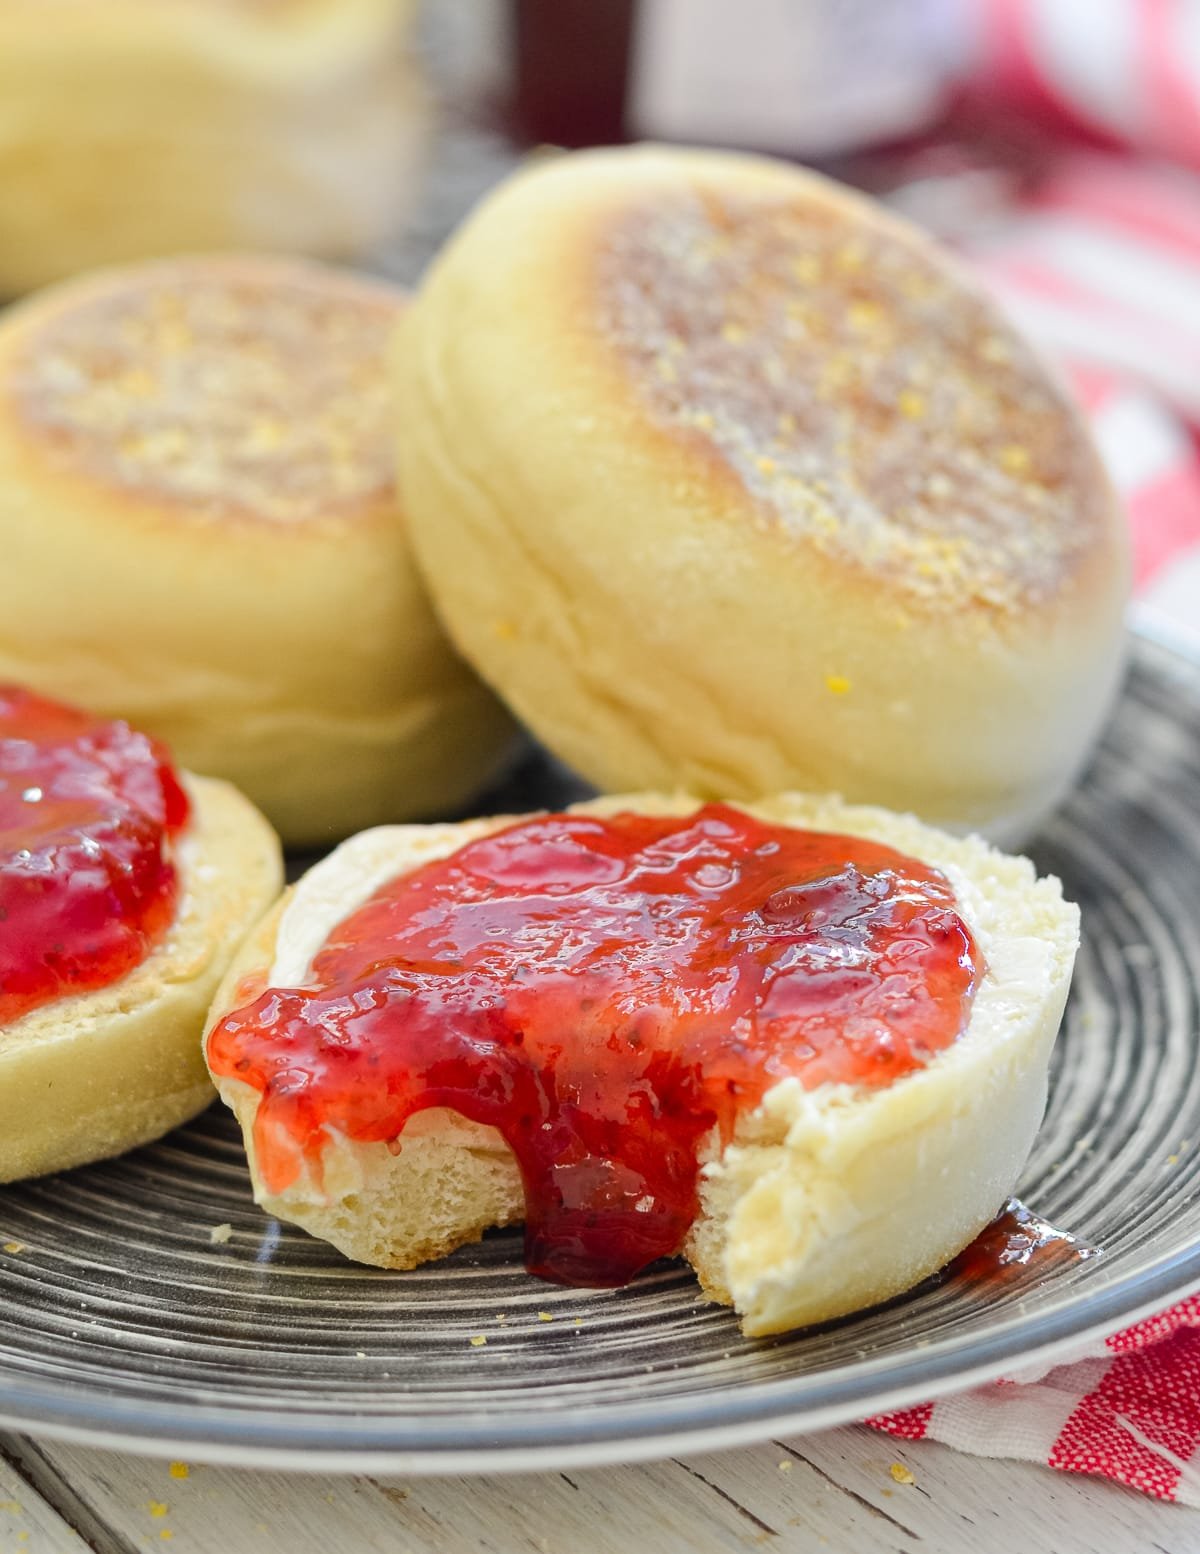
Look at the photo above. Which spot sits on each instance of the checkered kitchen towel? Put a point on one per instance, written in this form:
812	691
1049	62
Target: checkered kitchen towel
1129	1411
1099	259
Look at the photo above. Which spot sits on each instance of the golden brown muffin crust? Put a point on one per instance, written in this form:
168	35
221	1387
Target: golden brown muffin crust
248	388
868	402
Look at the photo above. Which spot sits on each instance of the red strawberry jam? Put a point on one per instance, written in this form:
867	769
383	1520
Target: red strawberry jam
87	812
606	992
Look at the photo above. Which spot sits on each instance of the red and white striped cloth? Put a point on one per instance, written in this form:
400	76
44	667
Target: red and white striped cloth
1124	70
1101	263
1099	259
1129	1410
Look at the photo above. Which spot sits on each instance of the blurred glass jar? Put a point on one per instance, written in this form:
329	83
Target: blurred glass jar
808	78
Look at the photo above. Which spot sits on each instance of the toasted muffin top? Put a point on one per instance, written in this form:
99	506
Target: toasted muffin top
247	387
865	397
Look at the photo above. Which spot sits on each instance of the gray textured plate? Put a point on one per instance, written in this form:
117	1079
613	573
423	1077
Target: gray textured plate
123	1323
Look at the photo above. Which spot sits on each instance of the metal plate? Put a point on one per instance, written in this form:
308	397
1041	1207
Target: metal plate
123	1323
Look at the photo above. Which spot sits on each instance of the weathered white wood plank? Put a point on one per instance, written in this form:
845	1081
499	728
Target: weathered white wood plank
956	1502
833	1491
28	1525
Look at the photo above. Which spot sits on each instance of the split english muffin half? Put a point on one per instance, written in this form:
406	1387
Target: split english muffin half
824	1199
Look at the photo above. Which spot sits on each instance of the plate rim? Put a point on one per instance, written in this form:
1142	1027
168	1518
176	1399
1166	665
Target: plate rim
474	1445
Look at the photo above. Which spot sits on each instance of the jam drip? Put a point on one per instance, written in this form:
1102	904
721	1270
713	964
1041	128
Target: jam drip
87	888
606	992
1018	1244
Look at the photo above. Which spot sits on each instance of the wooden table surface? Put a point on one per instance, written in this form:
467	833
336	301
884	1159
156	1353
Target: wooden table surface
834	1491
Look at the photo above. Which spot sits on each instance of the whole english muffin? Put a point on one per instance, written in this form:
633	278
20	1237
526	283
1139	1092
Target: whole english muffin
726	478
201	533
132	128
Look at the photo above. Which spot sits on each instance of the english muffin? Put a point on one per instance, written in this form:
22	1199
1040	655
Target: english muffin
717	1057
728	479
202	534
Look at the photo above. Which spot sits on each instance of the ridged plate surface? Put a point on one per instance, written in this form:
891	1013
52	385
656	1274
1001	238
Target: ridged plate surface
121	1321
